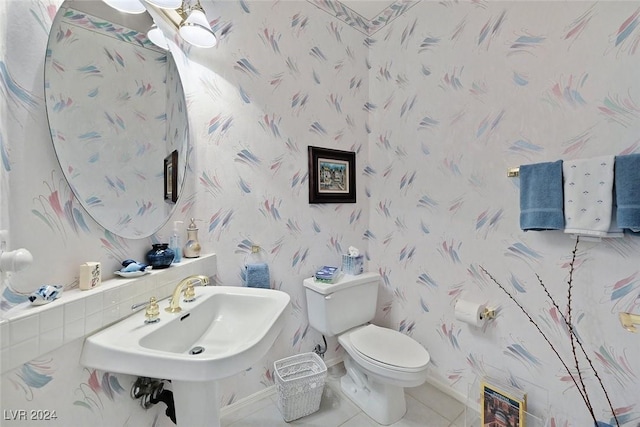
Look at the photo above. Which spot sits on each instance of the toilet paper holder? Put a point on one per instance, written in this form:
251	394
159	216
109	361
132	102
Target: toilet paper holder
488	313
473	313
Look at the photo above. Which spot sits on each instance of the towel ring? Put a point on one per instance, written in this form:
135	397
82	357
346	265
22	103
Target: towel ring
256	252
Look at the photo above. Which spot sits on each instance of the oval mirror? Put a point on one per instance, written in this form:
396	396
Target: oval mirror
117	116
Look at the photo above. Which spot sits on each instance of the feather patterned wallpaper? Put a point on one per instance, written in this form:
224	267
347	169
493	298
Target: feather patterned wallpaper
459	93
437	104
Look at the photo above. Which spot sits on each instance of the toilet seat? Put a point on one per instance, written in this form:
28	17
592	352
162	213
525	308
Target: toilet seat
388	348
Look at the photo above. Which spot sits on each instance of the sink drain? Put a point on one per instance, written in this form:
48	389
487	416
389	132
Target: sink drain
196	350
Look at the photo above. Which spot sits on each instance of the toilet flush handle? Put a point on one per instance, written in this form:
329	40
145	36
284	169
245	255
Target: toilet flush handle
328	297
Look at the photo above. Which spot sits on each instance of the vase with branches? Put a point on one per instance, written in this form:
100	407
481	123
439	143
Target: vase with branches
576	344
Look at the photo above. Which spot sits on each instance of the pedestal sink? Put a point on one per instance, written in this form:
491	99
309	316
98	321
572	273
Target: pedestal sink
223	332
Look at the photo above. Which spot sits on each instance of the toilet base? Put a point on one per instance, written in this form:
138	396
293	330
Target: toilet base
384	403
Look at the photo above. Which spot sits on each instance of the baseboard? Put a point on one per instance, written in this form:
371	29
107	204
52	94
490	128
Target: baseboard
249	400
333	362
446	389
255	397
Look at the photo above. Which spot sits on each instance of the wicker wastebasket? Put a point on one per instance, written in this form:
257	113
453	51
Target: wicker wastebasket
300	382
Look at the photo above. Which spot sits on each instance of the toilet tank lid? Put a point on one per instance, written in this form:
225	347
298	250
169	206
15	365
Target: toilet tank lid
344	281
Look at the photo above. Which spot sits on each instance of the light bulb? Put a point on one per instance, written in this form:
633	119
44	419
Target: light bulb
166	4
197	31
126	6
157	37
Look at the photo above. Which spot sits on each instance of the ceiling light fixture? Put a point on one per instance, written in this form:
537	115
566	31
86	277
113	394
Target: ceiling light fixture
186	16
126	6
195	28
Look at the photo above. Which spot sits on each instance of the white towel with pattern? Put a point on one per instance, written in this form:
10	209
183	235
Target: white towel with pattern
588	197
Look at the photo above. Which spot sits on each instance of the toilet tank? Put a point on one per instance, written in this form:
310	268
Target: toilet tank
336	307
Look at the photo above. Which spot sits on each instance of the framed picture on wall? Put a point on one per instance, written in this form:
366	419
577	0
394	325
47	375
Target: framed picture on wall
171	177
332	176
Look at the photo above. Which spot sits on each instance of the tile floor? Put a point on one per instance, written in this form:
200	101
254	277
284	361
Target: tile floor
426	407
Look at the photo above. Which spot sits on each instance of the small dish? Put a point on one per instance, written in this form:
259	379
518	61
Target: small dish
45	294
130	274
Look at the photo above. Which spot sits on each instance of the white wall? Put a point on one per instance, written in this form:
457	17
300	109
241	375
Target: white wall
442	205
247	179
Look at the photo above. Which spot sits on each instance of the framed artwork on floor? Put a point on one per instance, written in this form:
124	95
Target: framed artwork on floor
332	176
501	406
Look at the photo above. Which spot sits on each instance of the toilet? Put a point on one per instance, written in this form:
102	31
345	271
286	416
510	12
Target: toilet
380	362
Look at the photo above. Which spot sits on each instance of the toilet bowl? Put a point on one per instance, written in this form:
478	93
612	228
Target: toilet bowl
380	362
387	355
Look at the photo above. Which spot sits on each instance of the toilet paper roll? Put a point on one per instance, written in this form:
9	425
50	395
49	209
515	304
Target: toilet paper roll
470	312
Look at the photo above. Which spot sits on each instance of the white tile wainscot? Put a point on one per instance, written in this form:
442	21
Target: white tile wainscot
27	331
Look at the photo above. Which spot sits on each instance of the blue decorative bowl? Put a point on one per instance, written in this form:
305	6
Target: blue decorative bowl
160	256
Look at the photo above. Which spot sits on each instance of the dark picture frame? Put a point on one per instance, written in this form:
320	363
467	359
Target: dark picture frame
171	177
332	175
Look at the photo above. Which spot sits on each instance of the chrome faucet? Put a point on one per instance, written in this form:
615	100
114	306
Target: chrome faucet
174	302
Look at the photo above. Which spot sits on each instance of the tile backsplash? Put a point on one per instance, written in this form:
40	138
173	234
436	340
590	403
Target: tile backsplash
27	331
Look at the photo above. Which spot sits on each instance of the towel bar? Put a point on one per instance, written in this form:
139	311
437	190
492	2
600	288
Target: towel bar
629	321
513	172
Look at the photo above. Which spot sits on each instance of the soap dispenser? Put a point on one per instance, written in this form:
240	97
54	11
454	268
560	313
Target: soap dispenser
192	247
174	243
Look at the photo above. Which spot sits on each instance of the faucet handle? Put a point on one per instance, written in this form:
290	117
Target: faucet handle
152	312
189	293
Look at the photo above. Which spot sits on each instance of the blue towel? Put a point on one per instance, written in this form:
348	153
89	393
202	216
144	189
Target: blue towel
541	196
627	185
256	276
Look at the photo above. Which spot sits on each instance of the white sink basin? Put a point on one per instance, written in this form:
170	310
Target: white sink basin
234	326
